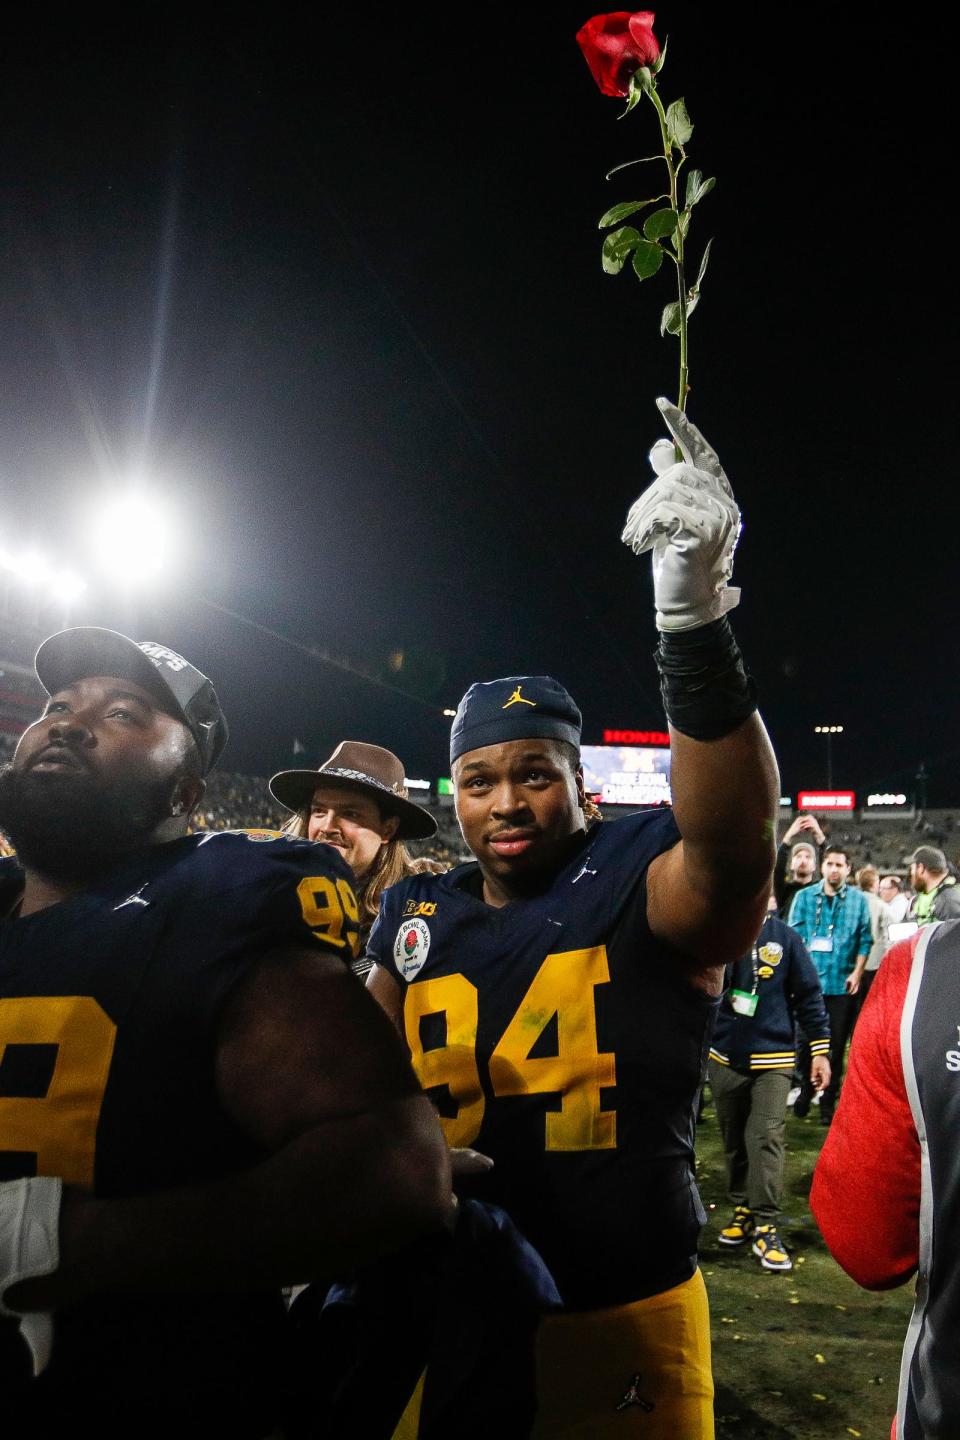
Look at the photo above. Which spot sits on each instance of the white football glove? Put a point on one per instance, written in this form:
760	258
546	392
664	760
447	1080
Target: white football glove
689	519
30	1246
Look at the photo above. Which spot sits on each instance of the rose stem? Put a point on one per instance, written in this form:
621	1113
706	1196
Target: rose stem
678	239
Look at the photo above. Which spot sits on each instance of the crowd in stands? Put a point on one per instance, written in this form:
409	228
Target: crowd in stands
238	802
885	843
234	802
243	801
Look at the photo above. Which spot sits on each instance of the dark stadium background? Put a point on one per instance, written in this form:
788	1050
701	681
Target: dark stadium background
400	410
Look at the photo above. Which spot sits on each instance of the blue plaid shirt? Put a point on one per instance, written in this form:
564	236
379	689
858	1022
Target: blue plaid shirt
844	917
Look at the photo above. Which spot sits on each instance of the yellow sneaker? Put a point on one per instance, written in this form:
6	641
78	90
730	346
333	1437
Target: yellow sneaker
770	1248
739	1229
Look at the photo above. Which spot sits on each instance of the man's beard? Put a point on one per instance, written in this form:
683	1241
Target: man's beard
74	827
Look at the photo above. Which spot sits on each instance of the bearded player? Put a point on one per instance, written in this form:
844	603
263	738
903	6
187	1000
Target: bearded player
198	1102
557	996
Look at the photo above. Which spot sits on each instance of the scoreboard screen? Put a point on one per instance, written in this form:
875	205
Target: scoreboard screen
627	774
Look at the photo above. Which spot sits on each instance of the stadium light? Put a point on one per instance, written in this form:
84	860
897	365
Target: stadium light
30	568
69	587
42	583
829	731
450	714
130	537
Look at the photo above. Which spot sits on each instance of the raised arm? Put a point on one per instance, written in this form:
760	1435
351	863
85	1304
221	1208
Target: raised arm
310	1068
706	897
802	825
780	873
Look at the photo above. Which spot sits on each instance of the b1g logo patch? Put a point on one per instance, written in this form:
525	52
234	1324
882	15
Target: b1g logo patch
420	907
411	947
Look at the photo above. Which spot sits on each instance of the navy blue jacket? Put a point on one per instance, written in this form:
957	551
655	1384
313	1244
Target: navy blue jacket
784	978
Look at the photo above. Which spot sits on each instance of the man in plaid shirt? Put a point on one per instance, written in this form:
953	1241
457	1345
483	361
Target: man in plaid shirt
833	921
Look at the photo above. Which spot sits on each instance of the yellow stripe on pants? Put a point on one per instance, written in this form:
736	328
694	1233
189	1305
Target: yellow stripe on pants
639	1370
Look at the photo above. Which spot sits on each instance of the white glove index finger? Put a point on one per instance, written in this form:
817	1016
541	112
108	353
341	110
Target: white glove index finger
697	451
690	522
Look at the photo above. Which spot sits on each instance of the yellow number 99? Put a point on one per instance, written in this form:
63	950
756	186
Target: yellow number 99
327	907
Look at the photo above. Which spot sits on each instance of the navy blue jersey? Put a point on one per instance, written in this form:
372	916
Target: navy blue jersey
559	1037
109	1008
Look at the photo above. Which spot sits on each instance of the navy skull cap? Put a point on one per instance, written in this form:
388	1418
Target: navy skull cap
516	707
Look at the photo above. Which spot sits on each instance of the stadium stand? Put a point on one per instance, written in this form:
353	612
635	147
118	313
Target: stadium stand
886	843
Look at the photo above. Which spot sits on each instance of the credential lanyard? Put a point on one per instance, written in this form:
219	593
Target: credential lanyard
841	900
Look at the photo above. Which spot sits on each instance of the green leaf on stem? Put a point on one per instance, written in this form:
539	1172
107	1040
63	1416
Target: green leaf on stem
695	287
639	82
679	124
683	224
660	224
657	65
644	160
670	319
647	259
697	187
617	246
620	212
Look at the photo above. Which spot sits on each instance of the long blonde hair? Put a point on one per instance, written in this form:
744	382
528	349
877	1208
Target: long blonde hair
393	863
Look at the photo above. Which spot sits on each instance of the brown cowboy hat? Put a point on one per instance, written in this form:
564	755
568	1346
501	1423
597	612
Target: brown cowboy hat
355	766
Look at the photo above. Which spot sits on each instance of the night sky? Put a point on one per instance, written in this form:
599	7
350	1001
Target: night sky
336	291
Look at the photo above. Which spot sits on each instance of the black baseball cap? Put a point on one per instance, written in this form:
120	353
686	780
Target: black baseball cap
517	707
75	654
929	856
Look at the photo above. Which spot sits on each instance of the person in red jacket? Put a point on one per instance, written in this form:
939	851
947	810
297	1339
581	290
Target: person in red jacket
886	1190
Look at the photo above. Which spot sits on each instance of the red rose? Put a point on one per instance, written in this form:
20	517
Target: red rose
616	45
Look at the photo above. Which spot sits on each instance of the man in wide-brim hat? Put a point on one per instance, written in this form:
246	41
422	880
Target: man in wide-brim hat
357	802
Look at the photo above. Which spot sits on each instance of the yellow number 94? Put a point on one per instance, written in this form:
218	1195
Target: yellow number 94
563	986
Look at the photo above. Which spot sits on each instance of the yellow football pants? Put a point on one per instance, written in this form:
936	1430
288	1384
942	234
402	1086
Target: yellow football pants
633	1372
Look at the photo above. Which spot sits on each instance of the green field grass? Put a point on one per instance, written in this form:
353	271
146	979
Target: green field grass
805	1355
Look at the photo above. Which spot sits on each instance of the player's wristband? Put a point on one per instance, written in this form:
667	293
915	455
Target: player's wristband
706	690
